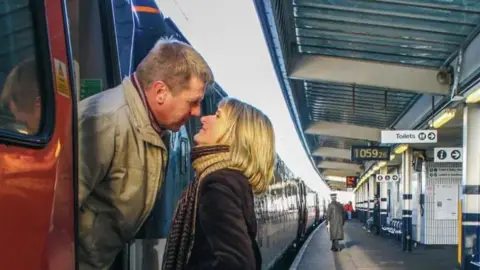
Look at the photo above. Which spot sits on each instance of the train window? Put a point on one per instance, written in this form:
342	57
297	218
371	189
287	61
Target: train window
26	90
183	158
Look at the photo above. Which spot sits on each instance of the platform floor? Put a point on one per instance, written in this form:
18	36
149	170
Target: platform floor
365	251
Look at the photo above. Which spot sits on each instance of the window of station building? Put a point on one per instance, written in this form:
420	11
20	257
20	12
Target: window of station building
22	101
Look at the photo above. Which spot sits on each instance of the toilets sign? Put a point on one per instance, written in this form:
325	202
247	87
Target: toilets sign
409	136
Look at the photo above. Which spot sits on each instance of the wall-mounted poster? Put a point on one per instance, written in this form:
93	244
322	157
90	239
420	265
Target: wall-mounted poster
446	201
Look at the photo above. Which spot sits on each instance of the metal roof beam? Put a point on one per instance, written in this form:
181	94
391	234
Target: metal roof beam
332	152
340	166
345	131
342	173
383	75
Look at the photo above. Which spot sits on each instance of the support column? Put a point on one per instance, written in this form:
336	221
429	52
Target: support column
470	240
371	192
364	203
356	205
407	200
383	199
365	200
360	202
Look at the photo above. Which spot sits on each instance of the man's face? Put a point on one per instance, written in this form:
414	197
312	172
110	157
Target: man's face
172	111
30	117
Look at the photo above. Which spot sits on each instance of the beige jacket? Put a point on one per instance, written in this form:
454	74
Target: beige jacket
122	162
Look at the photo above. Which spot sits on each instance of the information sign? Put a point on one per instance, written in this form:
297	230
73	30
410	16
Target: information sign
382	178
448	154
409	136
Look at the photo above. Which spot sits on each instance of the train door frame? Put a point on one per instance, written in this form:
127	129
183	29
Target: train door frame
53	147
74	96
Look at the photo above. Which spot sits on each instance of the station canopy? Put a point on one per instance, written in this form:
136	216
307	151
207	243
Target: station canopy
351	68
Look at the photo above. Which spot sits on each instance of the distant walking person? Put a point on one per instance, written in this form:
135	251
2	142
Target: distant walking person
335	221
349	210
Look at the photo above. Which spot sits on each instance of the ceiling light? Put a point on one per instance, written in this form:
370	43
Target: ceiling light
443	118
474	96
401	148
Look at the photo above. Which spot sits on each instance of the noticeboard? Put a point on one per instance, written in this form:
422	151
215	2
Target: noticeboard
446	201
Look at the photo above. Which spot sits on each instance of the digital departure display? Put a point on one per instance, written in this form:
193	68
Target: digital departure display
352	181
363	153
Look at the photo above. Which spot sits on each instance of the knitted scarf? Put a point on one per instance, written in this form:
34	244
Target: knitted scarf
205	160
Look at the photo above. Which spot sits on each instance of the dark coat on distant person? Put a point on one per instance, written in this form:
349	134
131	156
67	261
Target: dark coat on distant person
336	220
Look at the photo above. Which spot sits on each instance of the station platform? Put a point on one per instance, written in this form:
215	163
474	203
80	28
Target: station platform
363	250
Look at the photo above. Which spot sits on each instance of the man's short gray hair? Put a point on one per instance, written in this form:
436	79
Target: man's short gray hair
174	63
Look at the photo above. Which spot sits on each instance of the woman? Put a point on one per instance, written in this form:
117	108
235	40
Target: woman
215	225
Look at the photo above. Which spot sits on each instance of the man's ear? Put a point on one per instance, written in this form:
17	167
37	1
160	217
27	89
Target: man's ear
160	90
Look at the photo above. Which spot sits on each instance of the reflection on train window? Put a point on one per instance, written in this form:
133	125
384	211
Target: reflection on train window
20	100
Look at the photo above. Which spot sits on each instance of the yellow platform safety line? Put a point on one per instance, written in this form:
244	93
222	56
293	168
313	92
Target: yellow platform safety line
459	235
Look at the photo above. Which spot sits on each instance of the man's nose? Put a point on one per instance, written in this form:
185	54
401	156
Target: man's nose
196	111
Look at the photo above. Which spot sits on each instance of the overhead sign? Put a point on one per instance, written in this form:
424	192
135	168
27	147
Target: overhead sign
409	136
364	153
383	178
352	181
448	154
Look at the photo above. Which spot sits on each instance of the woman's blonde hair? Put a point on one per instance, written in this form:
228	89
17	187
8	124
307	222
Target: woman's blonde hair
252	142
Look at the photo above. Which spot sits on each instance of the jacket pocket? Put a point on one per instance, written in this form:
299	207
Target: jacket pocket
106	232
107	239
86	222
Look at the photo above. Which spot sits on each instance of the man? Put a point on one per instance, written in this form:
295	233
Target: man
21	96
335	221
376	215
122	148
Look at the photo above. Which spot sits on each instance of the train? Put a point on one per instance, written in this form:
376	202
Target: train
81	48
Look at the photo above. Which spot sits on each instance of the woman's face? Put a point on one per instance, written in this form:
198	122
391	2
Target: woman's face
213	128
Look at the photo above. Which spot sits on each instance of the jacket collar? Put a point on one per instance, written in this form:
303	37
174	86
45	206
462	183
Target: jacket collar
139	116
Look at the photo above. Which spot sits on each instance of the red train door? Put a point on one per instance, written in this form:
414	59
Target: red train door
37	137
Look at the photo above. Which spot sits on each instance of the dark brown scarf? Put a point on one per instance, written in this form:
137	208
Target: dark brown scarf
205	160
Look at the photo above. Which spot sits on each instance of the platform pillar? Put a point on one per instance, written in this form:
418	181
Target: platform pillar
356	204
470	241
383	199
371	194
407	200
365	202
364	205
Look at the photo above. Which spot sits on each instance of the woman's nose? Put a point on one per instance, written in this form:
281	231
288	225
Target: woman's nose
204	119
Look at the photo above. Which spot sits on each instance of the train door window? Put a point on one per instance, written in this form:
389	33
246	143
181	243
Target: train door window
93	42
26	85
